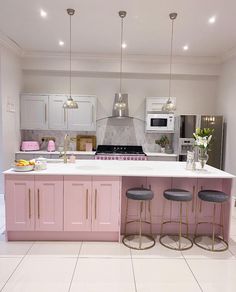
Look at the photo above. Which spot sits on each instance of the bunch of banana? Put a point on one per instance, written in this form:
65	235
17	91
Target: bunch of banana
22	162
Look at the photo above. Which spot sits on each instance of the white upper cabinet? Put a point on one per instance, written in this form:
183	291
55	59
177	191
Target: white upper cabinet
57	114
83	118
46	112
34	112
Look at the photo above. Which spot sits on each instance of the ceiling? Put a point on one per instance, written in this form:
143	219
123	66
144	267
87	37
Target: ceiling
96	26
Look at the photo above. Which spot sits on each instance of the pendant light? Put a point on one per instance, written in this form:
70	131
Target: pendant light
170	106
70	103
120	108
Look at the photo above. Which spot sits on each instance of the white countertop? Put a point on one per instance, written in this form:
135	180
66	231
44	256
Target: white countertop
90	153
56	152
127	168
161	154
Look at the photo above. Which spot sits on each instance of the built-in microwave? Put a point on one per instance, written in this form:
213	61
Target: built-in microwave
160	122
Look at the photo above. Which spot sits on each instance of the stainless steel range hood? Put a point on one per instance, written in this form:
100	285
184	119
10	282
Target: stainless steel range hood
120	106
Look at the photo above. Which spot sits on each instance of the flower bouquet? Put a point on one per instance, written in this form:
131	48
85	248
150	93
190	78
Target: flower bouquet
202	141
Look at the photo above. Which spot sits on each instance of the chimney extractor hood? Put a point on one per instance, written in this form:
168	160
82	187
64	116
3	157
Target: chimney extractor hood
120	106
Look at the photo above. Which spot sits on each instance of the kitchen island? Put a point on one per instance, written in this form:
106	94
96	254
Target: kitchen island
86	200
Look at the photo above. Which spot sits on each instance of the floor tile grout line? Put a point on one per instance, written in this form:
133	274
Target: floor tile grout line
131	257
193	274
76	263
17	266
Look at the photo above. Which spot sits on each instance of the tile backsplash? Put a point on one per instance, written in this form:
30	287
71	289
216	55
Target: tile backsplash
109	131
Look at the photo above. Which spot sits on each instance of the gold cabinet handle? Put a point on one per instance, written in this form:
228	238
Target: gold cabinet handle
38	205
95	211
29	204
64	115
45	113
193	200
87	204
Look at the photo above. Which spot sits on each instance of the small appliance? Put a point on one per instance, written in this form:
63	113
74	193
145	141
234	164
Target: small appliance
51	146
29	146
160	122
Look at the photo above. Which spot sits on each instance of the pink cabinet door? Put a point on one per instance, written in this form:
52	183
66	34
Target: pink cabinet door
106	203
19	192
77	203
49	203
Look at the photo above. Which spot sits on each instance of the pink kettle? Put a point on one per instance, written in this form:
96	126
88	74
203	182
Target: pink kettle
51	146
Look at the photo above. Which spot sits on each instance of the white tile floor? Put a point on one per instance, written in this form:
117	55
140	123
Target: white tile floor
104	266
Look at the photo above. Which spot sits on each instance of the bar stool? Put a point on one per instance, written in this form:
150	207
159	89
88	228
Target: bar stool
214	197
144	196
181	196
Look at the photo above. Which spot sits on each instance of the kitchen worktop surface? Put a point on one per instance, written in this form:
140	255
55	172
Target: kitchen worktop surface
127	168
90	153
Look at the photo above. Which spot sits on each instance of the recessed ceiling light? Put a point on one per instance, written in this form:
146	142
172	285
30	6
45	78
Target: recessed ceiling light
212	19
185	48
61	43
43	13
124	45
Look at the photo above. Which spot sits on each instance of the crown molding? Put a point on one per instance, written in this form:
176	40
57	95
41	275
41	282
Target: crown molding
9	43
127	57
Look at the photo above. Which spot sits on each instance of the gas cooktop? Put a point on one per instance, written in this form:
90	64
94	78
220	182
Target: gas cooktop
119	150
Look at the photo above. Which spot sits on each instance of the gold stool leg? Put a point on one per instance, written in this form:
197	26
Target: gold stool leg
140	224
187	205
162	217
213	228
180	224
222	220
150	216
126	214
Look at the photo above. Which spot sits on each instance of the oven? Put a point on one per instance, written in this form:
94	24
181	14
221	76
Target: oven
120	152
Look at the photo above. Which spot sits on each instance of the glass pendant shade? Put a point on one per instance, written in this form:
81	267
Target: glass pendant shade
70	103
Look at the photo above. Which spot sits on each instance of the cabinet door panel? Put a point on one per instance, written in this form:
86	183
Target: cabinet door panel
19	203
83	118
77	203
49	203
57	114
106	204
34	112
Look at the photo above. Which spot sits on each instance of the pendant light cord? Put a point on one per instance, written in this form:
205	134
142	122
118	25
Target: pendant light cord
121	53
171	57
70	56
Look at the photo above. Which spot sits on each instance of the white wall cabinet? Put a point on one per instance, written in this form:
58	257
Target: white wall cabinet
34	112
45	112
83	118
57	114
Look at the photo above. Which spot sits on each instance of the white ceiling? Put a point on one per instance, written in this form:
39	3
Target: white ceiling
96	26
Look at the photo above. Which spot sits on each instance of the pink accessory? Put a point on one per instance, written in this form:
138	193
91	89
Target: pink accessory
29	146
51	146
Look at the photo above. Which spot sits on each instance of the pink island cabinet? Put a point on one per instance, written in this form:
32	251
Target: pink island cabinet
91	203
19	191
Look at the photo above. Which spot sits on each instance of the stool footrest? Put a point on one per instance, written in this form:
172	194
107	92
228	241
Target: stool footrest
210	248
149	245
176	248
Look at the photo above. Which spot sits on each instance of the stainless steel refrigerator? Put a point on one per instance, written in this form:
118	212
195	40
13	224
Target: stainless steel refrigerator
188	125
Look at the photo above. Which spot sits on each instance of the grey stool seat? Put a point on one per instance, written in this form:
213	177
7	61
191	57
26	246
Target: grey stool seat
213	196
139	240
178	195
139	194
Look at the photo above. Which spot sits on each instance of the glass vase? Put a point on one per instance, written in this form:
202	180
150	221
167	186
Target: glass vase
202	156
